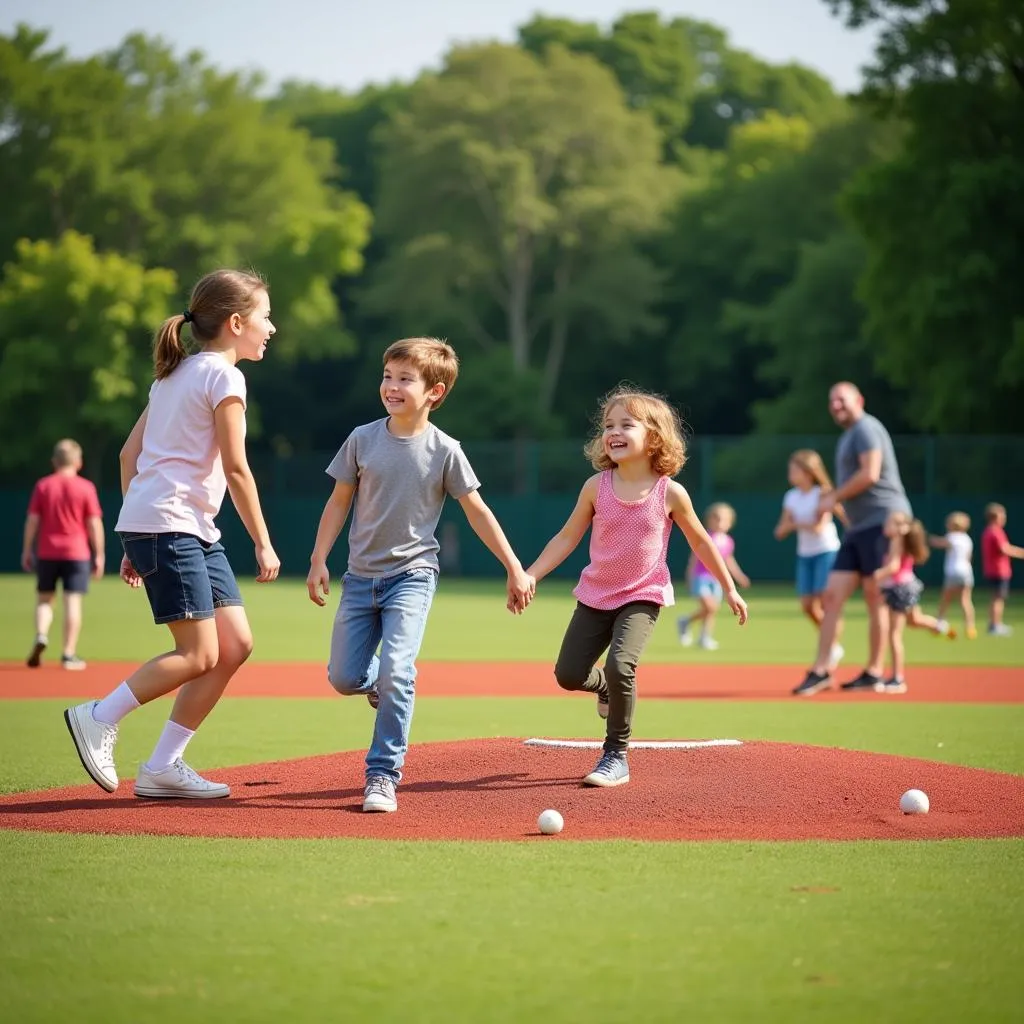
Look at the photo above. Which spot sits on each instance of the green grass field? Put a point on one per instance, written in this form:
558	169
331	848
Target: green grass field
142	929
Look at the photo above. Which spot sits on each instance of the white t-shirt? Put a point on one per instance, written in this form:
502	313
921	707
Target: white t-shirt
958	556
180	482
803	507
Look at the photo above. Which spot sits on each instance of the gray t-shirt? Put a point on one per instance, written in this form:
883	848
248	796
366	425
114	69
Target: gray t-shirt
870	507
401	484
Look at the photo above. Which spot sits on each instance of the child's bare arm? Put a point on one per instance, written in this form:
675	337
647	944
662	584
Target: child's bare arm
785	526
28	539
1013	551
520	585
938	542
734	567
558	549
131	451
703	547
332	519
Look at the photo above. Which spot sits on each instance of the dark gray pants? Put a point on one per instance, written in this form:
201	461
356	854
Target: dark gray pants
624	633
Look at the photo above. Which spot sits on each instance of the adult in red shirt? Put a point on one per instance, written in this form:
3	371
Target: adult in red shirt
63	542
996	552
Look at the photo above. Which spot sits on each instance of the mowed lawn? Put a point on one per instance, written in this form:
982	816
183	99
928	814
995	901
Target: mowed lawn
469	622
159	929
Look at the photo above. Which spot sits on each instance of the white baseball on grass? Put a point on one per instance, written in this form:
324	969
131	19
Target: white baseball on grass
914	801
550	822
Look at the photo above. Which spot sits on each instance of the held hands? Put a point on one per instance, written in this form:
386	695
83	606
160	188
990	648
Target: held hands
520	591
737	604
318	583
268	562
128	574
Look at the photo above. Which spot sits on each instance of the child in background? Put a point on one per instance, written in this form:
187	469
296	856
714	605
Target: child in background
394	475
958	574
908	547
817	539
720	518
996	552
631	503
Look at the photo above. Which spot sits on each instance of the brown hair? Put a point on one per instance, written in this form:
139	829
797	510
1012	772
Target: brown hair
915	540
721	508
665	445
434	359
993	511
215	297
813	465
958	522
66	453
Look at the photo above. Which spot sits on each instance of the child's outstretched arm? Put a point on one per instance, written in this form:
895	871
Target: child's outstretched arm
520	586
740	576
785	526
1011	550
938	542
318	582
703	546
562	545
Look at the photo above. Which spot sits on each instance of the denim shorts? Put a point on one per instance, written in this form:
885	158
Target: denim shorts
184	577
812	572
706	586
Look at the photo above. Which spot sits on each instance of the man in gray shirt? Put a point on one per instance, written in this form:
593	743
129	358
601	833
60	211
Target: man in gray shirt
869	487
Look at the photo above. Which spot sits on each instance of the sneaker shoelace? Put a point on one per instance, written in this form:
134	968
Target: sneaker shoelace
188	775
107	740
607	764
379	786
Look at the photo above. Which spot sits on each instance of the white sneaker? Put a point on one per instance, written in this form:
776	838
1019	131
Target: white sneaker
94	742
178	782
708	643
379	794
836	655
941	627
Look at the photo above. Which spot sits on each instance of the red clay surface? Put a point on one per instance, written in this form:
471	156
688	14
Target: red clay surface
932	683
494	789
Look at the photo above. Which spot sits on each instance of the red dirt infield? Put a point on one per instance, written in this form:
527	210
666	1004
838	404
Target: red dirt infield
494	789
931	683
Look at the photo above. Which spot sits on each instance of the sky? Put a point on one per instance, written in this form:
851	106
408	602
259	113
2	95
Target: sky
347	44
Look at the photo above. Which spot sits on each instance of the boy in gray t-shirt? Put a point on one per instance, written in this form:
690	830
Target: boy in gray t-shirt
397	473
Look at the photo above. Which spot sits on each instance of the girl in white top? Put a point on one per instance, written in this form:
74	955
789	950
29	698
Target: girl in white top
958	571
186	450
817	539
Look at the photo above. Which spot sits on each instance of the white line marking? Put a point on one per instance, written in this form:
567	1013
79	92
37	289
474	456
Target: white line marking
635	744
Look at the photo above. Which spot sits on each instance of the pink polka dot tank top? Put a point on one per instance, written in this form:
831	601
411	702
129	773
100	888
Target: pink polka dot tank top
628	550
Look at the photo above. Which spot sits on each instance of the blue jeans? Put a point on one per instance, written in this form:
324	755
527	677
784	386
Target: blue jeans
389	612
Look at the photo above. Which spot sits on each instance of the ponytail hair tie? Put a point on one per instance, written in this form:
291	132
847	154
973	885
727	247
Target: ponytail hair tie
187	316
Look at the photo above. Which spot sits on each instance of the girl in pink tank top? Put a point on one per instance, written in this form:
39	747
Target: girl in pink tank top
908	547
630	505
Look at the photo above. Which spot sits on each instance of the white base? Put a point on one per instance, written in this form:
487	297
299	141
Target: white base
635	744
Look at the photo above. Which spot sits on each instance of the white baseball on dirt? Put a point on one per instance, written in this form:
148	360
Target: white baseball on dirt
914	801
550	822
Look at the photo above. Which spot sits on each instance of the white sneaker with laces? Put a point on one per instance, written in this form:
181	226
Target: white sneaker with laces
178	782
94	742
379	794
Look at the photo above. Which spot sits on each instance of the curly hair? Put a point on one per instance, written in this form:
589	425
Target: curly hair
666	446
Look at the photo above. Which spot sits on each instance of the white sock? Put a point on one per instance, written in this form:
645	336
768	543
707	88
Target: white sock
115	705
171	745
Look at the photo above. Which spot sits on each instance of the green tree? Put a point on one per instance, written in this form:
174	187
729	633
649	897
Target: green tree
513	193
943	219
75	328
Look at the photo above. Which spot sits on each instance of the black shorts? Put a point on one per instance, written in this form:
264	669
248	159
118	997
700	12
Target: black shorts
999	587
73	574
862	551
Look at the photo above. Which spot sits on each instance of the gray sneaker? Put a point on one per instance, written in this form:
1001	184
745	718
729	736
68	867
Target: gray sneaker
611	770
178	782
94	742
379	794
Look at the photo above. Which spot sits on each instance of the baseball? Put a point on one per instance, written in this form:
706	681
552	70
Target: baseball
914	802
550	822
